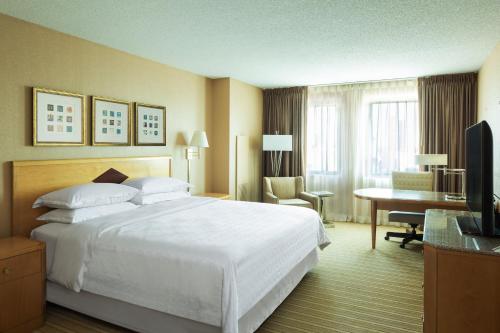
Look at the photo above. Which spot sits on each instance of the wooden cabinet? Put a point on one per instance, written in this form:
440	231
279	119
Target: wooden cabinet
461	291
22	284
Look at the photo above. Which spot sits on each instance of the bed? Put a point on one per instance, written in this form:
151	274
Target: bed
190	265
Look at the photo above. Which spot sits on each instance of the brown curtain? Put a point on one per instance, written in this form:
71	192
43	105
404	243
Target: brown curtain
285	113
448	105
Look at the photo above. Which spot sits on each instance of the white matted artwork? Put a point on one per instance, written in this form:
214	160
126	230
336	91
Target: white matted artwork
110	122
150	125
58	118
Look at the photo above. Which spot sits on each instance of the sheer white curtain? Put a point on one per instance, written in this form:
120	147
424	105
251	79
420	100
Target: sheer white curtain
330	153
356	135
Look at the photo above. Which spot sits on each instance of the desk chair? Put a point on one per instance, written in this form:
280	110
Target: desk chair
289	191
416	181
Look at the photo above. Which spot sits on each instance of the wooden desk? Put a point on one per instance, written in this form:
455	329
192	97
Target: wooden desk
404	200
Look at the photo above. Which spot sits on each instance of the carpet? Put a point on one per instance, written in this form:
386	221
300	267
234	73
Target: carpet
353	289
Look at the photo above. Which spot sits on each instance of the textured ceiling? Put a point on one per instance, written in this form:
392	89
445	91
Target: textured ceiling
272	43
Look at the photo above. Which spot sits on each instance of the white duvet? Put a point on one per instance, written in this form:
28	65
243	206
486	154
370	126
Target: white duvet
199	258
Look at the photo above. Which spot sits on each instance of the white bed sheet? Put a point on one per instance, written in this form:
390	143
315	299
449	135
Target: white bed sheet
198	258
140	319
48	233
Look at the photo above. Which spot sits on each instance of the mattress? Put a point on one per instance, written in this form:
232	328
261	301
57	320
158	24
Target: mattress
206	260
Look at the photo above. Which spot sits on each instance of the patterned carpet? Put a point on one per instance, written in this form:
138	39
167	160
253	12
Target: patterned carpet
353	289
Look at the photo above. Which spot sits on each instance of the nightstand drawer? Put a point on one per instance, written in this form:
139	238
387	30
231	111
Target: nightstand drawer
19	266
21	301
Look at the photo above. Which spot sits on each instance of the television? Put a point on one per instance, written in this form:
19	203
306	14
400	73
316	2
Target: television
479	179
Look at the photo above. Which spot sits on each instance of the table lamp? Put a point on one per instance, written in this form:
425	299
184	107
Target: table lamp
276	144
198	140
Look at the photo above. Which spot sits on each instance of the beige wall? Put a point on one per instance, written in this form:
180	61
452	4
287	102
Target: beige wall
237	110
246	107
35	56
489	104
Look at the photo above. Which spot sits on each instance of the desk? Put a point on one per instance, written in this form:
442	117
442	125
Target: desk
404	200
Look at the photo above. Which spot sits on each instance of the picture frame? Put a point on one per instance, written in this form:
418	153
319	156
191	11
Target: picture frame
150	125
111	122
59	118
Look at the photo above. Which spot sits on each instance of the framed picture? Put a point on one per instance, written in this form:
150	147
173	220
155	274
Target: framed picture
110	122
58	118
150	125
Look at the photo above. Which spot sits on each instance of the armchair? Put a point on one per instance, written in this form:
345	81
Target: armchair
289	191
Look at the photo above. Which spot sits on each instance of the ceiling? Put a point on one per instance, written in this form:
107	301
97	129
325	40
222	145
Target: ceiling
279	43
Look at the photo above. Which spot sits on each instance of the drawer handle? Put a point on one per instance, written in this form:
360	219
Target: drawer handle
6	271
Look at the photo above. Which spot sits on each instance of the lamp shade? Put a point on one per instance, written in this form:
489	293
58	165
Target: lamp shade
199	140
431	159
277	142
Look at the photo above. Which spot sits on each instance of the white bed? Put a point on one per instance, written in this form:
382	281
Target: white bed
191	265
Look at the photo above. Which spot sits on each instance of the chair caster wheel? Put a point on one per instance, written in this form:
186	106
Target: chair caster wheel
402	246
386	237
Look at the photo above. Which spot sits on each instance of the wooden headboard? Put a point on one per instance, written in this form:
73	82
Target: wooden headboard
34	178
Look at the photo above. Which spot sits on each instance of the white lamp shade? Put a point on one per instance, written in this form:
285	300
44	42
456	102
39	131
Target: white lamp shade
431	159
199	139
277	142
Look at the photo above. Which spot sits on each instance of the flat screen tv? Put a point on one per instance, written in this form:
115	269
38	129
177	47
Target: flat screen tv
479	177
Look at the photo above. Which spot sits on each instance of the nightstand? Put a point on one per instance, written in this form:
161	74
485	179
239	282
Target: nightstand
223	196
22	284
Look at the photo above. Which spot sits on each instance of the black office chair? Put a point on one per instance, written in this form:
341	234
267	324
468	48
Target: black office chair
413	219
417	181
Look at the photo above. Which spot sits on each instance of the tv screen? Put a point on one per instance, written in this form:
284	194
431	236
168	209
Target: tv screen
479	176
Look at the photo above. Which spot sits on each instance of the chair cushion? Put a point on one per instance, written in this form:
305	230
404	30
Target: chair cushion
295	202
406	217
284	187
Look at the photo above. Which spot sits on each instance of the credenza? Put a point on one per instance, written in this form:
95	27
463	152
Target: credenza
461	277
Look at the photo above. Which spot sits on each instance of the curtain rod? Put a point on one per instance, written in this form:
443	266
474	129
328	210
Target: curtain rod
359	82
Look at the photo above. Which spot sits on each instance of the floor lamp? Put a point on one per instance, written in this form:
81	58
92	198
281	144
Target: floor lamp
199	140
276	144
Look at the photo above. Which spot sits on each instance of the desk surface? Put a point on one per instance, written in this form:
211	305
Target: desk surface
441	230
388	194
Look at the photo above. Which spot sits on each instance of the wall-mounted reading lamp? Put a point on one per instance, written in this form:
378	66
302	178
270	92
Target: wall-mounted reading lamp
198	140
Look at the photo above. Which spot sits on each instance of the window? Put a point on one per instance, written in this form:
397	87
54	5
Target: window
394	136
323	139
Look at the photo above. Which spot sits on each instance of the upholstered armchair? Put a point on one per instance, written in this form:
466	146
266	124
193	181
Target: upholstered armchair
288	191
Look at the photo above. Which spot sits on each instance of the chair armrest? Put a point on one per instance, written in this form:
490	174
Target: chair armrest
313	199
270	198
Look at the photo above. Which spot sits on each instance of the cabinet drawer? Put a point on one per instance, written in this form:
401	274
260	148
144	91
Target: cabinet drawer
21	301
19	266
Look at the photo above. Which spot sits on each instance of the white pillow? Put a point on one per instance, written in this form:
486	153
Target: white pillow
86	195
84	214
149	199
150	185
